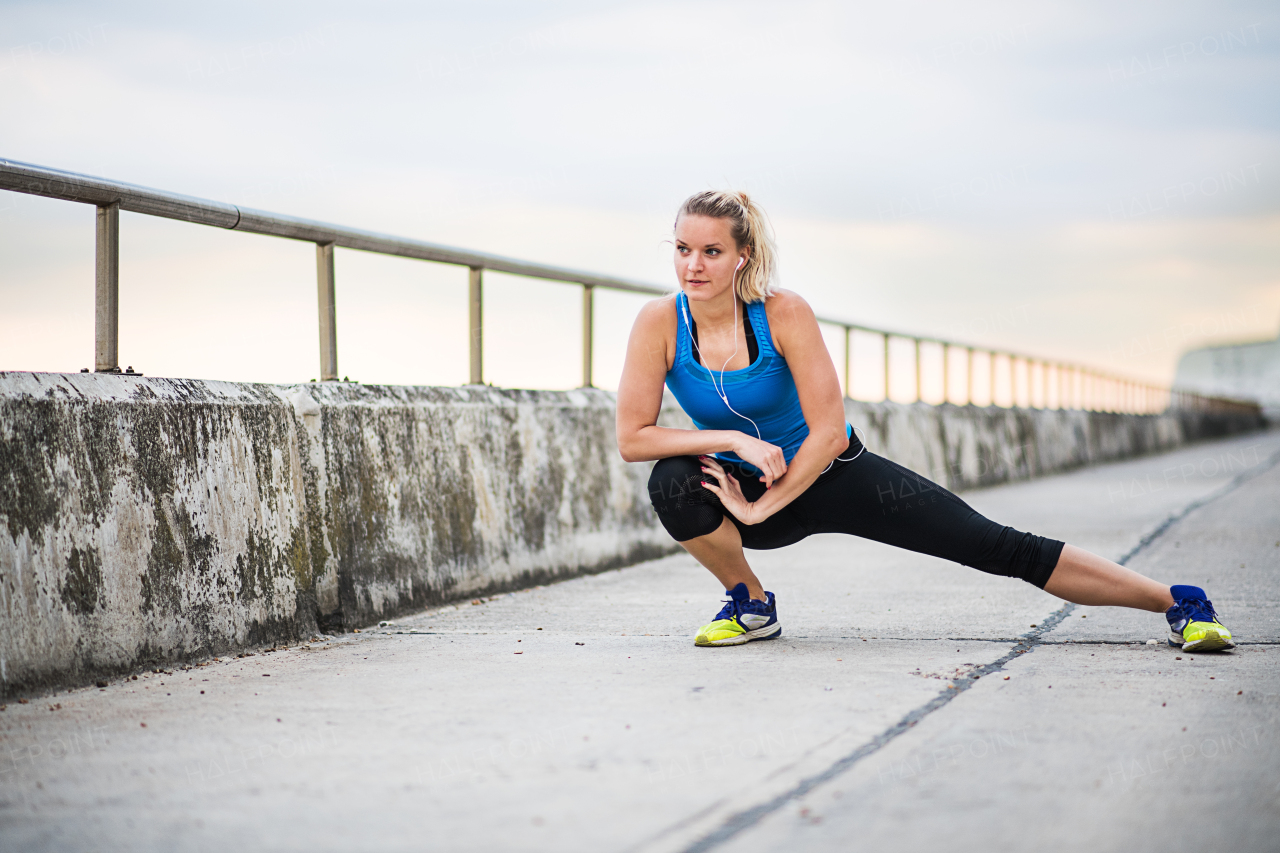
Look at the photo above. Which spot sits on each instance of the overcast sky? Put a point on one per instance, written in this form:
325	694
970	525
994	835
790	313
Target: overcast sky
1096	182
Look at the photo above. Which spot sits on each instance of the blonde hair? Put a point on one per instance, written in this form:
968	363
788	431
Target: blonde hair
749	227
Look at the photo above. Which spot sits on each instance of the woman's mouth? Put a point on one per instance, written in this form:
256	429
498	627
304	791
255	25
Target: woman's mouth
697	282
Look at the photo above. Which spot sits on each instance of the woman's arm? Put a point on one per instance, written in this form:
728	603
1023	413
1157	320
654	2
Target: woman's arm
799	340
640	439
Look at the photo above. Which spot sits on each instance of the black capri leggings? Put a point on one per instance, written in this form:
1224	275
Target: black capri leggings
869	497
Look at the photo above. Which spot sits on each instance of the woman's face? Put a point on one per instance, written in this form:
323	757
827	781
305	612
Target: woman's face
706	256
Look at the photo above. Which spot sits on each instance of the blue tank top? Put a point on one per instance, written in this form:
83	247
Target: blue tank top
763	392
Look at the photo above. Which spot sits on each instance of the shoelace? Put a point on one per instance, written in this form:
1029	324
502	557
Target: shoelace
750	606
1195	608
728	611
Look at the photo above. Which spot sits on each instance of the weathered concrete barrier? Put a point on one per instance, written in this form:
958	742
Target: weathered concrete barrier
152	520
146	521
965	447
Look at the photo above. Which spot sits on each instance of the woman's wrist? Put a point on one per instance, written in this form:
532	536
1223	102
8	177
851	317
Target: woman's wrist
762	508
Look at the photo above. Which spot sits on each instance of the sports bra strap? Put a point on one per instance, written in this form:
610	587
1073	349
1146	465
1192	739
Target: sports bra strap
753	348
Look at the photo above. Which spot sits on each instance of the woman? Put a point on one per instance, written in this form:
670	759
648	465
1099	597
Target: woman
772	459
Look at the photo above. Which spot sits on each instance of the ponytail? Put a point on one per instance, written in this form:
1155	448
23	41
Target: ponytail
749	228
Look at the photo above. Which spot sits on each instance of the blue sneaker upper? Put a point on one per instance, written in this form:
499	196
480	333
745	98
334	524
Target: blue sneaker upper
1190	604
740	602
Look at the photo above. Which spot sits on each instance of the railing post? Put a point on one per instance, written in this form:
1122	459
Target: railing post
106	331
475	313
328	313
991	358
968	377
1026	364
946	373
919	395
588	332
1013	381
886	367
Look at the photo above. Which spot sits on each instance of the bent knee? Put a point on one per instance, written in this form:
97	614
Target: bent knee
685	508
1025	556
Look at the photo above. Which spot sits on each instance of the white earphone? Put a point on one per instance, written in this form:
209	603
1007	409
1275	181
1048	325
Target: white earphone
720	389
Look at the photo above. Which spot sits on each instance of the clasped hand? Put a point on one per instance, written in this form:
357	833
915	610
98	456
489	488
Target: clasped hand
729	491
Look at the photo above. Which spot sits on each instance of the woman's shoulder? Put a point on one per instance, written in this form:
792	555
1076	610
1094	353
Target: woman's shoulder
786	307
656	324
657	313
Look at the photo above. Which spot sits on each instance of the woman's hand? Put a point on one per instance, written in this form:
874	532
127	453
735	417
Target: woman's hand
765	456
728	490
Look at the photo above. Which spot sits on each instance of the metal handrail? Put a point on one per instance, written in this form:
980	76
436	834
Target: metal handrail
1088	388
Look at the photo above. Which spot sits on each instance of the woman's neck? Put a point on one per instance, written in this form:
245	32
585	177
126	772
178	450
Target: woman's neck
715	312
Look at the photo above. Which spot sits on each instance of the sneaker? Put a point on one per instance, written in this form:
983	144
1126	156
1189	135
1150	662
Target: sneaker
741	620
1193	625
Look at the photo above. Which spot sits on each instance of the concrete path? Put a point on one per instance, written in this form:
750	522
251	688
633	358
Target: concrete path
912	705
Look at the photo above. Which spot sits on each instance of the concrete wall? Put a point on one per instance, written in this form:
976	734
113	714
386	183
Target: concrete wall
145	521
152	520
1245	371
964	447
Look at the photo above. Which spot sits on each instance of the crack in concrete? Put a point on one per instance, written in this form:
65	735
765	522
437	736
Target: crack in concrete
1015	639
743	820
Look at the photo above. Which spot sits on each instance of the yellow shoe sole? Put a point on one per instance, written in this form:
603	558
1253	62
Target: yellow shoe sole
770	632
1212	641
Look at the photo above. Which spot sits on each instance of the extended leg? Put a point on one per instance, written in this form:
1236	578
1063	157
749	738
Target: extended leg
879	499
1086	578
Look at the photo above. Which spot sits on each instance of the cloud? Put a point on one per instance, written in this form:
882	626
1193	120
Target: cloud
1114	169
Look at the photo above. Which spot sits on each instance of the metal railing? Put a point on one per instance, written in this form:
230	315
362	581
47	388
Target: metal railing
1074	386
